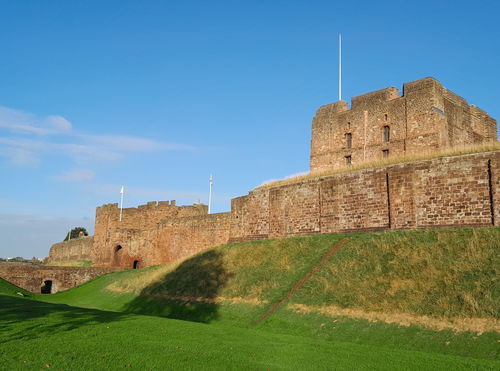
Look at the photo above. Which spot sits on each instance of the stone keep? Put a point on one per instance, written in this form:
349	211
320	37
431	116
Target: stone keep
426	118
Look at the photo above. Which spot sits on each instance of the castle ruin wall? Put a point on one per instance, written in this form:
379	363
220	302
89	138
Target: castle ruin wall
75	249
32	277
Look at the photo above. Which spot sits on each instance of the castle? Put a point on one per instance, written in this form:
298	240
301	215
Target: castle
453	191
427	117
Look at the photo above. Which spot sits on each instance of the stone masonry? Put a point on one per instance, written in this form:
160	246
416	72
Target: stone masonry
75	249
426	118
34	277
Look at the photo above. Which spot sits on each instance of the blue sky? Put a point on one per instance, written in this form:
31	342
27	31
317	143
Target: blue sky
156	95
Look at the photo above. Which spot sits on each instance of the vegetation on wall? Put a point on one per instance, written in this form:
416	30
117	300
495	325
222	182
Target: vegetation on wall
75	233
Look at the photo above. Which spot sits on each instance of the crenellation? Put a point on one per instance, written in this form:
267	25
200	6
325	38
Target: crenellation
427	117
375	97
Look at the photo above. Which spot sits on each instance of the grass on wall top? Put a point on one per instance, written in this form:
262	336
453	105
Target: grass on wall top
391	160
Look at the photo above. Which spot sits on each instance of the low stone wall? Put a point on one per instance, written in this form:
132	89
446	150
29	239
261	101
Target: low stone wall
33	277
75	249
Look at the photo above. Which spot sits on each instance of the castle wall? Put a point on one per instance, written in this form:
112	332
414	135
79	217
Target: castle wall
32	277
454	191
444	192
426	118
75	249
109	230
179	238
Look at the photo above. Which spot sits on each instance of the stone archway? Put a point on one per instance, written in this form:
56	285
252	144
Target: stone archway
46	287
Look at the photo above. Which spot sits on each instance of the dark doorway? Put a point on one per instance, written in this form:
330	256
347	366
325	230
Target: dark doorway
47	287
136	264
118	248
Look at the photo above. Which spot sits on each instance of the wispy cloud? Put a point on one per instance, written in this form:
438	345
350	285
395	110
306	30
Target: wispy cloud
134	144
76	176
27	138
17	121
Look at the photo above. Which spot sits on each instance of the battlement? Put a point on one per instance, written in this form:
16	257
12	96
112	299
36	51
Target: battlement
374	97
149	205
382	123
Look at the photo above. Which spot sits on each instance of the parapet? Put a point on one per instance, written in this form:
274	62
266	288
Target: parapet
427	83
335	107
374	97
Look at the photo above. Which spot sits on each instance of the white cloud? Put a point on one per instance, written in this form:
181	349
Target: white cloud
59	123
82	148
133	144
76	175
17	121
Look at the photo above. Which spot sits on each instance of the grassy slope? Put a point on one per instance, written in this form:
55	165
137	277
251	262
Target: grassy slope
442	273
7	288
36	335
447	273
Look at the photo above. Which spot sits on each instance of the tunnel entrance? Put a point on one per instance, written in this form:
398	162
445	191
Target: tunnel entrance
136	264
47	287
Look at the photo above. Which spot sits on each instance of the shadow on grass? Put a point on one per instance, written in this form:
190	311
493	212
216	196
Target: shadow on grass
188	293
23	319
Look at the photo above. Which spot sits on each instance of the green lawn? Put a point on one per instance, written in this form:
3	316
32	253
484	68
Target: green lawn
36	335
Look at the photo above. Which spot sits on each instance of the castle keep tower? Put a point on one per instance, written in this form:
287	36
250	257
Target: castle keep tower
426	118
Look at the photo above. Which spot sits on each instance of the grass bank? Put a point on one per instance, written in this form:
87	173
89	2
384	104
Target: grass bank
428	293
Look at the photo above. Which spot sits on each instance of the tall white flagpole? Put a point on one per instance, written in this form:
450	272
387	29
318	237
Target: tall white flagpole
121	203
340	67
210	194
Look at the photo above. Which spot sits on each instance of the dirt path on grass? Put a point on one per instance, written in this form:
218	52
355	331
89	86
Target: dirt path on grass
304	279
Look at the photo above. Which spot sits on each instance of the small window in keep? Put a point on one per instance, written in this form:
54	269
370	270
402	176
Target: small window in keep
385	153
348	160
348	140
387	133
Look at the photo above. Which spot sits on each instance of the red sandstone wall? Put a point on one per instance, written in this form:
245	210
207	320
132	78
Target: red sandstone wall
446	192
75	249
179	238
31	277
110	232
294	209
250	216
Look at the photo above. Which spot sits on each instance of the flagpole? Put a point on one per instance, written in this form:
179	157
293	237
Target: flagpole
121	203
210	194
340	67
